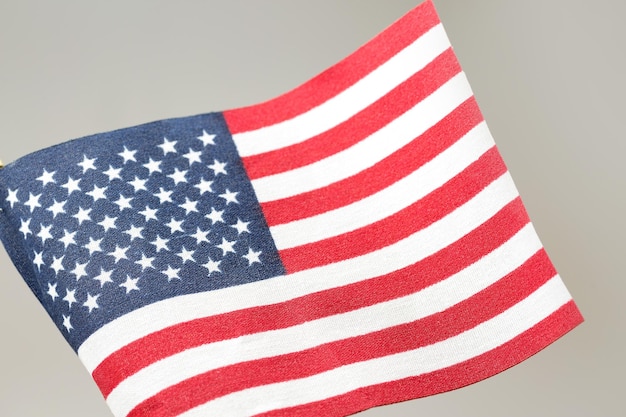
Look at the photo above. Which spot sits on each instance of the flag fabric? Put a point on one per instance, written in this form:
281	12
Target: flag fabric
355	242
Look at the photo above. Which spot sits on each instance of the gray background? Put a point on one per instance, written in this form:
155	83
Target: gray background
549	77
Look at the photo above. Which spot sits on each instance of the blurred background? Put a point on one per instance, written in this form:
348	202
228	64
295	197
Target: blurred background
549	77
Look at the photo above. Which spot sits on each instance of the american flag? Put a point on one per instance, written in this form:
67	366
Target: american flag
355	242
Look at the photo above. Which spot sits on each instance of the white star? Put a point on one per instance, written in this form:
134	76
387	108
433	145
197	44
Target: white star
200	236
38	260
92	302
252	256
134	232
149	213
189	206
108	223
230	196
206	138
138	184
33	201
212	266
87	164
52	291
71	185
70	297
79	270
124	202
153	166
103	277
46	177
218	167
175	226
93	245
168	146
66	323
12	197
57	208
68	238
44	233
119	253
186	255
97	193
128	155
215	215
160	243
57	264
241	226
204	186
171	273
226	246
193	156
130	284
178	176
82	215
113	173
25	227
164	196
145	262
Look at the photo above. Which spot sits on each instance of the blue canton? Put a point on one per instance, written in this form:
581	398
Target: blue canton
112	222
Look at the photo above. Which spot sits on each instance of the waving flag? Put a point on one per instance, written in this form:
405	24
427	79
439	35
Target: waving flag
355	242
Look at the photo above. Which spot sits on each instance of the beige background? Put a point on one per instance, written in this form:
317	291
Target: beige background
548	75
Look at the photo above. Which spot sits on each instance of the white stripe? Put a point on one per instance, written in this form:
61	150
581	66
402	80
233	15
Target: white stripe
394	198
139	323
364	154
350	101
481	339
431	300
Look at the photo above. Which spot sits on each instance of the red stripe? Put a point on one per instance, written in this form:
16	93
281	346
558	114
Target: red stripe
467	250
407	221
359	126
463	316
338	77
386	172
473	370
